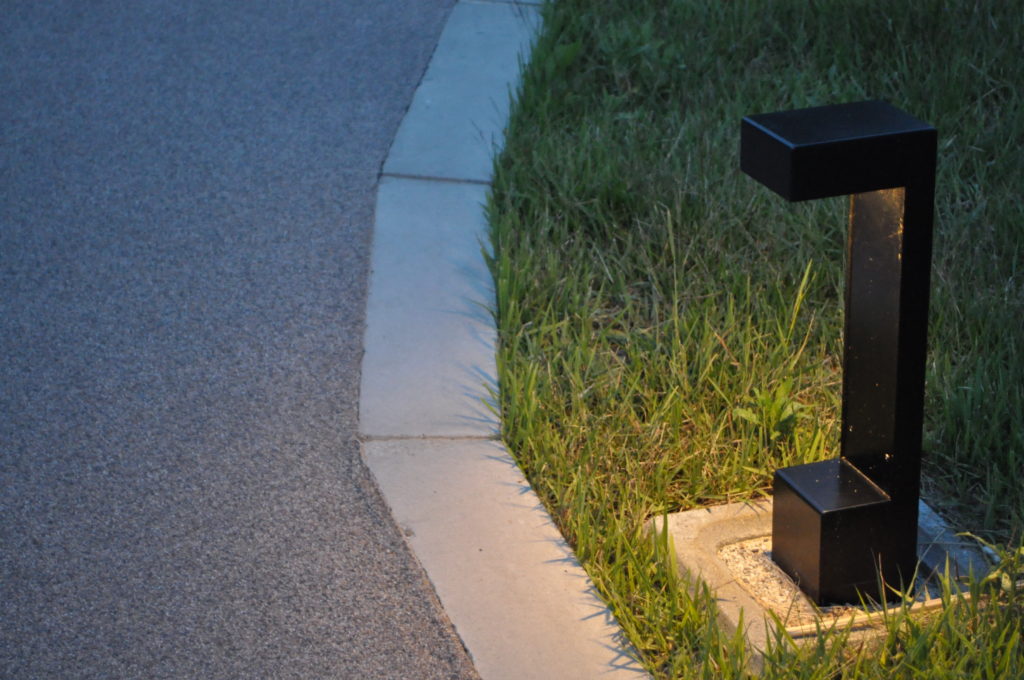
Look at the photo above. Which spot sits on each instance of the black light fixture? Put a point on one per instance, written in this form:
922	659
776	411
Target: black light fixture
840	524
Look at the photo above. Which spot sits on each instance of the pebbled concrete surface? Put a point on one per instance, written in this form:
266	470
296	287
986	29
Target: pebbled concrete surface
186	192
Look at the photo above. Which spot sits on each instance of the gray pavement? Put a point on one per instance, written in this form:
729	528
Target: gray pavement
186	196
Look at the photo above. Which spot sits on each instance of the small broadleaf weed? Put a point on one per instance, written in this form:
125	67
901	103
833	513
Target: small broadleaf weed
772	412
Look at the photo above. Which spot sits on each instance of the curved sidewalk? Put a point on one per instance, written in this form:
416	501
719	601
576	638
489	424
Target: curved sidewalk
507	580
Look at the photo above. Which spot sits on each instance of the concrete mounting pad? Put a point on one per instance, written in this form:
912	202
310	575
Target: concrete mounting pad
702	539
457	117
430	339
499	565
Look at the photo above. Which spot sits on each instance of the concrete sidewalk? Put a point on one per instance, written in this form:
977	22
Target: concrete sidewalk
510	584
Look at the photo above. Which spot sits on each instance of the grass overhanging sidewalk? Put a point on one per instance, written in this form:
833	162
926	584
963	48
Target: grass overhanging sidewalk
670	331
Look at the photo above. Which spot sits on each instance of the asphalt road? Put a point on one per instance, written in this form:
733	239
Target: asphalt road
186	201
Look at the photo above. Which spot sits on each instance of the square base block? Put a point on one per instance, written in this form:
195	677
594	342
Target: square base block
835	533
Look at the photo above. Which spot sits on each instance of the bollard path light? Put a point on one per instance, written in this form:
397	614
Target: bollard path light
840	527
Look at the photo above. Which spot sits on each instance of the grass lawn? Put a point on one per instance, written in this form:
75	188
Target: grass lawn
670	330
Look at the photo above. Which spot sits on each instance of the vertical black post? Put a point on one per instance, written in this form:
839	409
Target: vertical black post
840	524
